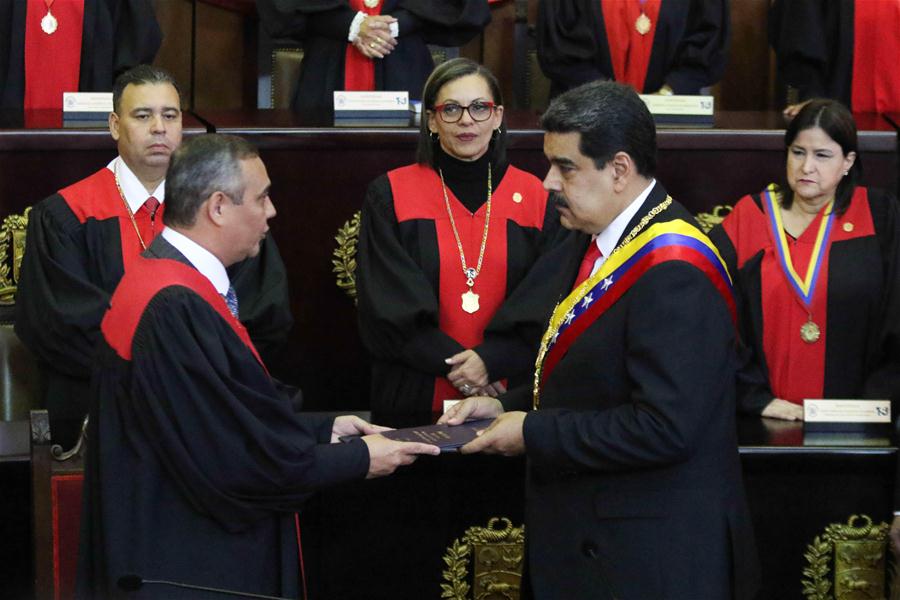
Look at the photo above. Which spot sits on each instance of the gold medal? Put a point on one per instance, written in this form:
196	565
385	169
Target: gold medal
809	332
642	24
470	302
49	24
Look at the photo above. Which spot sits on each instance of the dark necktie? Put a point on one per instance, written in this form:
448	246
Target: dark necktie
587	263
232	301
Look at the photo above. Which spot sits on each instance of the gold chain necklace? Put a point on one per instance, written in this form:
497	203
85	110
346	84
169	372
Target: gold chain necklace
470	298
127	206
643	223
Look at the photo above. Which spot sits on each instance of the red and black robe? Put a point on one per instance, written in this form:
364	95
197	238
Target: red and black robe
322	27
115	35
410	279
688	50
856	305
820	53
79	243
196	463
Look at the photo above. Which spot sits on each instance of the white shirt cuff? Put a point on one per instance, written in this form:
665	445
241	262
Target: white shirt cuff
355	25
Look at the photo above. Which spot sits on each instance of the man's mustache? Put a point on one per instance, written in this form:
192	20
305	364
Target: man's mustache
558	200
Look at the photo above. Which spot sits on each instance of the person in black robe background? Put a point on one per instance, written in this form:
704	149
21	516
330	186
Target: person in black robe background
425	346
196	463
815	42
81	239
322	27
689	51
116	35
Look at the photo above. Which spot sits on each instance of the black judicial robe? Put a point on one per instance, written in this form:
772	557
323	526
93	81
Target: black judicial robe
690	46
634	484
862	342
400	262
74	260
322	27
117	35
813	44
195	463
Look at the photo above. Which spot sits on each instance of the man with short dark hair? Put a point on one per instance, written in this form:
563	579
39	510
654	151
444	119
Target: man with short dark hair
82	239
634	483
195	462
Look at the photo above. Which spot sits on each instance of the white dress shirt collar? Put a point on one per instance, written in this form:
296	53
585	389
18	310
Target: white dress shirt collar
134	191
609	237
202	259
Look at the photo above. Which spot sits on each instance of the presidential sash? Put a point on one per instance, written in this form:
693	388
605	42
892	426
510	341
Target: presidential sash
661	242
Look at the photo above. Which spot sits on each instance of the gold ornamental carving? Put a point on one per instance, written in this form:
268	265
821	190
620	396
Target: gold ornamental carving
708	220
857	551
12	237
497	554
344	260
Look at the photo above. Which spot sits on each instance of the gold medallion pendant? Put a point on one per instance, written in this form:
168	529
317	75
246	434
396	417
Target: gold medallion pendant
809	332
49	24
470	302
642	24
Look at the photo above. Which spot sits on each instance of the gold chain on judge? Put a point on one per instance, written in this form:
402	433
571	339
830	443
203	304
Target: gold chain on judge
555	323
127	206
470	298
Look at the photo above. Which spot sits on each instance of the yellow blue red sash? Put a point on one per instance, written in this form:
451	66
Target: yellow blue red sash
804	287
661	242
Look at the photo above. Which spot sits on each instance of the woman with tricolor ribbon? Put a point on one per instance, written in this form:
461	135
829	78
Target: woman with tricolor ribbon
815	267
369	44
442	245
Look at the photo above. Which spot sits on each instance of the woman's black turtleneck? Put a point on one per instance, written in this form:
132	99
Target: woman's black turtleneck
468	179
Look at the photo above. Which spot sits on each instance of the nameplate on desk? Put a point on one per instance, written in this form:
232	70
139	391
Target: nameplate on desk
87	105
848	414
680	110
370	102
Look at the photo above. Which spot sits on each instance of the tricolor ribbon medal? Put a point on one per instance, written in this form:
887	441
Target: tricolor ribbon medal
804	288
671	240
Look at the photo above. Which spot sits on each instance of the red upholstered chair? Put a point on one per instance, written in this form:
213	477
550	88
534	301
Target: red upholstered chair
56	481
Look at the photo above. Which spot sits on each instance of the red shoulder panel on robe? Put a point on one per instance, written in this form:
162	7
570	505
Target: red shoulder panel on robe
97	197
146	278
748	228
519	197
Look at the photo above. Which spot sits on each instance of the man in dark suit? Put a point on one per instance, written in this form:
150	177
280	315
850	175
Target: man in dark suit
634	482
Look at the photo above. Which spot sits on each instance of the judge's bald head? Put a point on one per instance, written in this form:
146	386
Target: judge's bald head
611	118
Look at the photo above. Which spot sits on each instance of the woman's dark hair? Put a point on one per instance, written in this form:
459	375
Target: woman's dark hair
442	75
835	120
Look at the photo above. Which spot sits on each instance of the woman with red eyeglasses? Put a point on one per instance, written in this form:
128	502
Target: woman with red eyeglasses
443	244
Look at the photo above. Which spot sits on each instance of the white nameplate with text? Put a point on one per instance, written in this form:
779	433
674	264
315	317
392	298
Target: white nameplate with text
90	102
698	106
370	101
847	411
